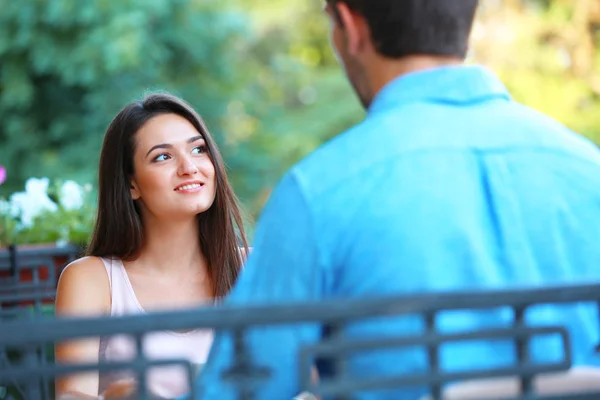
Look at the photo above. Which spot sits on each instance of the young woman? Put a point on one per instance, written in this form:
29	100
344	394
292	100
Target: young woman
168	236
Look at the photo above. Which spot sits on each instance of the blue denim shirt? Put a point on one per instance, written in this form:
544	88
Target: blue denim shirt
448	184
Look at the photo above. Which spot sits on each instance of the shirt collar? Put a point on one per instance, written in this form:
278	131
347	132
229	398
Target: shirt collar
450	84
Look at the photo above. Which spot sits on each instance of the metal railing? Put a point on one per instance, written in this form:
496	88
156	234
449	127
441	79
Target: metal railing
28	278
22	281
334	348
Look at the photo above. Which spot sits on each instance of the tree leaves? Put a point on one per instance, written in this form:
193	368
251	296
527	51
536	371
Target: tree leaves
261	72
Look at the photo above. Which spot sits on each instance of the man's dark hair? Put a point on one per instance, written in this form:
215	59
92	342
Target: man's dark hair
410	27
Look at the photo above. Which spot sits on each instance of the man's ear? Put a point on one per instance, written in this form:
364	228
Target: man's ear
355	27
135	193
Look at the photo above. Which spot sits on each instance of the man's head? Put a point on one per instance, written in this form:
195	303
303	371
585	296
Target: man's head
369	33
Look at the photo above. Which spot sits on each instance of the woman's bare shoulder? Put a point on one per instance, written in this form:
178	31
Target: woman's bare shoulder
83	288
86	269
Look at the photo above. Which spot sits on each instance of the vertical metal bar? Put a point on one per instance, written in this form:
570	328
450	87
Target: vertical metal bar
37	313
597	349
5	363
32	389
333	332
37	303
243	374
45	381
522	347
141	368
243	365
192	372
433	355
304	371
13	271
12	257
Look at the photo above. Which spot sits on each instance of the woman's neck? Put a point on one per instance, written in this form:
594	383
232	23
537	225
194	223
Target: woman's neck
171	247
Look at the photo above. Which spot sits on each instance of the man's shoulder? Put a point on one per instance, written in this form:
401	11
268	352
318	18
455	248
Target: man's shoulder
550	133
341	157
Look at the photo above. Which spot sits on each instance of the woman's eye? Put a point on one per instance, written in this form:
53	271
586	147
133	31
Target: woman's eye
161	157
199	150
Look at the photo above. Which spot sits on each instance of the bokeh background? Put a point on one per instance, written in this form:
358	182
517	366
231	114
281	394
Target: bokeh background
261	72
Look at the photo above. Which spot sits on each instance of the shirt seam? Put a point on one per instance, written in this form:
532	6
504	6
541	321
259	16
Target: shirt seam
295	174
384	108
441	150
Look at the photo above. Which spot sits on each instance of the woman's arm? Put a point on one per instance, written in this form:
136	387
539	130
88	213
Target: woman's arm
83	291
122	390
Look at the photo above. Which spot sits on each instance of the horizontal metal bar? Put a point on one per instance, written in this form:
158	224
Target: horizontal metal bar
12	312
580	396
23	311
30	263
42	251
228	317
342	346
32	259
19	372
574	396
331	388
17	287
28	296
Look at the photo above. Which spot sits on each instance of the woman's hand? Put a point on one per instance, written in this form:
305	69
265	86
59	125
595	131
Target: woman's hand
122	389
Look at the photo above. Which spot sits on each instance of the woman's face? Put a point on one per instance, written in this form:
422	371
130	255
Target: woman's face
174	176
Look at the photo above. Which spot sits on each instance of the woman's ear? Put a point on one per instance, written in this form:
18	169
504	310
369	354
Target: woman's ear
135	193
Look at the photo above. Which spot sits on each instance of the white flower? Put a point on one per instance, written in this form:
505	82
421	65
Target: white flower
71	195
32	202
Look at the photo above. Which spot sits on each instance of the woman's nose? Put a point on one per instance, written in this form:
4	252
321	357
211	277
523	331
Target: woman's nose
187	167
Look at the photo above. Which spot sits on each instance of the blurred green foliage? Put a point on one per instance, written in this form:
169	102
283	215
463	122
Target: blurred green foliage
261	72
68	66
546	53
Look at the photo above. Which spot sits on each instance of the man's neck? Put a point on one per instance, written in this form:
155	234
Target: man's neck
385	70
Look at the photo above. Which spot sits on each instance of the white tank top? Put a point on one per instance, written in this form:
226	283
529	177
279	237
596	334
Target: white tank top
168	381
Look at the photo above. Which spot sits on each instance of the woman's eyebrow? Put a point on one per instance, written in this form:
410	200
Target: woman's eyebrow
170	146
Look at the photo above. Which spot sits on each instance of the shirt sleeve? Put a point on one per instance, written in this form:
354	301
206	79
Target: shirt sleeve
283	267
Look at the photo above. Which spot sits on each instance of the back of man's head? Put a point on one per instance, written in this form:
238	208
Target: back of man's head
417	27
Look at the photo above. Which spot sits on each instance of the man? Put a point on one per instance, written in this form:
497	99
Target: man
448	184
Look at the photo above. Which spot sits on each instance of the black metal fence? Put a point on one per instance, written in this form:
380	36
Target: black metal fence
31	372
28	278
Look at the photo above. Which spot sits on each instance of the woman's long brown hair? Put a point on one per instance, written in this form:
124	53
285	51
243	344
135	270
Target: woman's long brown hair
118	231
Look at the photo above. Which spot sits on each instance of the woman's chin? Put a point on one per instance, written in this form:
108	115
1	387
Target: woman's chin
199	209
